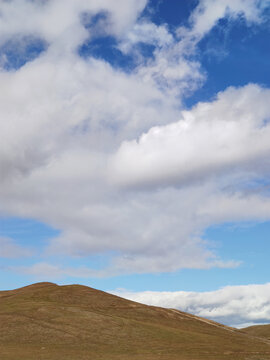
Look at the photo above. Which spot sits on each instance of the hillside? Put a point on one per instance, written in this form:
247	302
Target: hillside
50	322
259	330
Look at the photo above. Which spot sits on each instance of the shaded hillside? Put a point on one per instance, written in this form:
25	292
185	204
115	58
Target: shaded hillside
50	322
259	330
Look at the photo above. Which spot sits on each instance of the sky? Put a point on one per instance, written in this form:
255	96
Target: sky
134	151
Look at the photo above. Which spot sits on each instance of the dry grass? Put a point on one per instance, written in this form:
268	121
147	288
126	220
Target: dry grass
258	330
50	322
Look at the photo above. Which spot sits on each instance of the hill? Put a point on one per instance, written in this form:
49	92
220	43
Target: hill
259	331
49	322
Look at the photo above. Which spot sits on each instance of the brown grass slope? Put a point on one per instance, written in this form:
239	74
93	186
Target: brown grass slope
50	322
262	331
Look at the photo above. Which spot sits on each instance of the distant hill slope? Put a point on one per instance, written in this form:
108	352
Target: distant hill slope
258	330
50	322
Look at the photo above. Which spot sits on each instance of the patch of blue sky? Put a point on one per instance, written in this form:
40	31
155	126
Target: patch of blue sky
10	280
182	280
27	232
61	270
18	51
145	50
100	45
107	48
249	243
94	262
233	54
173	13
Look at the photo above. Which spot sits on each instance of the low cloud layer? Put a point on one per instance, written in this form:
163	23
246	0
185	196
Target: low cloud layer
237	306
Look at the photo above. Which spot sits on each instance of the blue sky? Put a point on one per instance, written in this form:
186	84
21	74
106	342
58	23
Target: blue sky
134	149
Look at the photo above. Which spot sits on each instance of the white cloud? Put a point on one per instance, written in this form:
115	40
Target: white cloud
148	33
237	306
67	144
95	215
209	12
59	21
230	134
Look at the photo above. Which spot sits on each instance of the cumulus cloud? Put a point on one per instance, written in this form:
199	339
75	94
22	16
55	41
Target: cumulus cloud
237	306
229	134
108	157
66	31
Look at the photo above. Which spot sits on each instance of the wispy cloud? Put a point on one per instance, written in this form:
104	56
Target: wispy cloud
9	249
44	271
